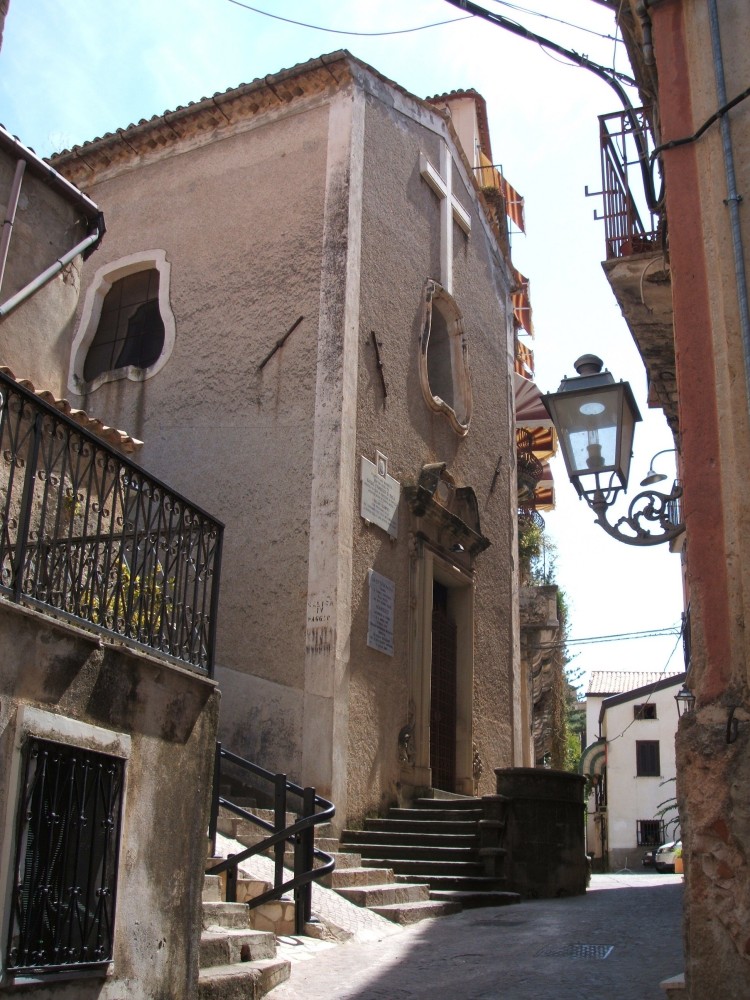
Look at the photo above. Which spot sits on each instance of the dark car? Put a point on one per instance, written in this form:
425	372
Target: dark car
648	858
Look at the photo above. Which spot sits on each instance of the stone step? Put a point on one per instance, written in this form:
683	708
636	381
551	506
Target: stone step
390	852
276	916
412	913
452	802
454	883
327	844
385	894
343	878
429	868
472	900
225	947
211	889
420	838
436	815
245	981
225	915
454	827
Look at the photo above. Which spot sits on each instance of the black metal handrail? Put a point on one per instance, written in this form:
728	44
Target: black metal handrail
625	231
314	811
95	538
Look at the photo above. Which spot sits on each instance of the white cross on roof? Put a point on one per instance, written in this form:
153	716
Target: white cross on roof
451	208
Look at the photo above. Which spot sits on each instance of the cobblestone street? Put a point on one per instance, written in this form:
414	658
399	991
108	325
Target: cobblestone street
615	943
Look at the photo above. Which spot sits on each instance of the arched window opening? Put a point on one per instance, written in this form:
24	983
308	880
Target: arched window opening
130	332
443	360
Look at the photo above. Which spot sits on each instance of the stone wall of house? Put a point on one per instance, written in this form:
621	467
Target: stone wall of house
316	209
68	686
240	220
35	338
401	244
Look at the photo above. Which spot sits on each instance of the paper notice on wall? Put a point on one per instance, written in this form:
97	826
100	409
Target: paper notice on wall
380	495
381	612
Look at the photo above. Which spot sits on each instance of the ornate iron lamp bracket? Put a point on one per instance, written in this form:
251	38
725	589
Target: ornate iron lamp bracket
647	508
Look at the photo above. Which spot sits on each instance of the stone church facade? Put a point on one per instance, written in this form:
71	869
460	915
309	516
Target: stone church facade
303	308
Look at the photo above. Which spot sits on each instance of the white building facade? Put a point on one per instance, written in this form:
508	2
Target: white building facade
631	721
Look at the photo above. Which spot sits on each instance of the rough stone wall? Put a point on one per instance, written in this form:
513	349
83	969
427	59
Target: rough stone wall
400	250
261	225
34	338
713	779
240	220
170	716
712	381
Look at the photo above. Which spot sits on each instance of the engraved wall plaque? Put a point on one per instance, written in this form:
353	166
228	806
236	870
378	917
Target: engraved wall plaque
381	613
380	495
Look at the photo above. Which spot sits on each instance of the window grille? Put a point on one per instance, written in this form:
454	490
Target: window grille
63	905
650	832
647	758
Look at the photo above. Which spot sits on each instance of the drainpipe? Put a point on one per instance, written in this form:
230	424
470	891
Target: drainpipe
46	276
27	159
733	198
15	192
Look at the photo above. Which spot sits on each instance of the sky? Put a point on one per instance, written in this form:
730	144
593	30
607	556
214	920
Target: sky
72	71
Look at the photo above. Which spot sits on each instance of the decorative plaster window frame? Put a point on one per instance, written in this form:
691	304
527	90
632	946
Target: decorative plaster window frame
97	291
33	723
458	415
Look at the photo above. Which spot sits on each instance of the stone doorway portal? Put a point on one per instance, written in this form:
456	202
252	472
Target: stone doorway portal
443	691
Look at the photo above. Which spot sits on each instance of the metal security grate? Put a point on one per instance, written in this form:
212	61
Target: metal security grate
63	906
599	951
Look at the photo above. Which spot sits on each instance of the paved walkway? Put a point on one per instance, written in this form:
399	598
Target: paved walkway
615	943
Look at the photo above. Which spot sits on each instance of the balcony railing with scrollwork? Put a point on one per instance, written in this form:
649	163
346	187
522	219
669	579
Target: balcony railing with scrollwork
93	538
628	228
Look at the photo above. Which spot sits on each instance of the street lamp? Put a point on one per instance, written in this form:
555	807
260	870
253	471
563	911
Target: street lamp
595	419
685	701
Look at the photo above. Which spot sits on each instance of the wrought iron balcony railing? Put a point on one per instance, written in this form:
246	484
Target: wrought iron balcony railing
628	228
94	538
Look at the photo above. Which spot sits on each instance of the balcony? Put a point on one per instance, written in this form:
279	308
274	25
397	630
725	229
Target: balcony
88	536
636	254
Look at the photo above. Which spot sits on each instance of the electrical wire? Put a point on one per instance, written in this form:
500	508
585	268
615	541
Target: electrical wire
662	675
685	140
558	20
658	633
610	76
339	31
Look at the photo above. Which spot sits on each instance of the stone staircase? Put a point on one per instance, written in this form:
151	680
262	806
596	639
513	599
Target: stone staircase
373	887
376	888
437	843
237	962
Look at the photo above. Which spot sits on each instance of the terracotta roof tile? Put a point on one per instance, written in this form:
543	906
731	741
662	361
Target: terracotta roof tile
110	435
609	682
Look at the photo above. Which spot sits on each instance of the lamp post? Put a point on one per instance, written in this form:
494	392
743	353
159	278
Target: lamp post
595	419
685	701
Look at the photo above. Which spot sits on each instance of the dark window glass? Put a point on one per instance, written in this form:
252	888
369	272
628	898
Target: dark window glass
646	711
647	758
130	333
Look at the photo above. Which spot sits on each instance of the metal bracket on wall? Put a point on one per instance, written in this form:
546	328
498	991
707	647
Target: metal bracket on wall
280	343
379	362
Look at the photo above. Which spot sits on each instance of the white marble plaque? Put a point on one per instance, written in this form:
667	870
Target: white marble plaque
380	617
380	495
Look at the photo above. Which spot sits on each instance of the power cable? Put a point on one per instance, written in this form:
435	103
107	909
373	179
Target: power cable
662	676
615	637
610	76
558	20
339	31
